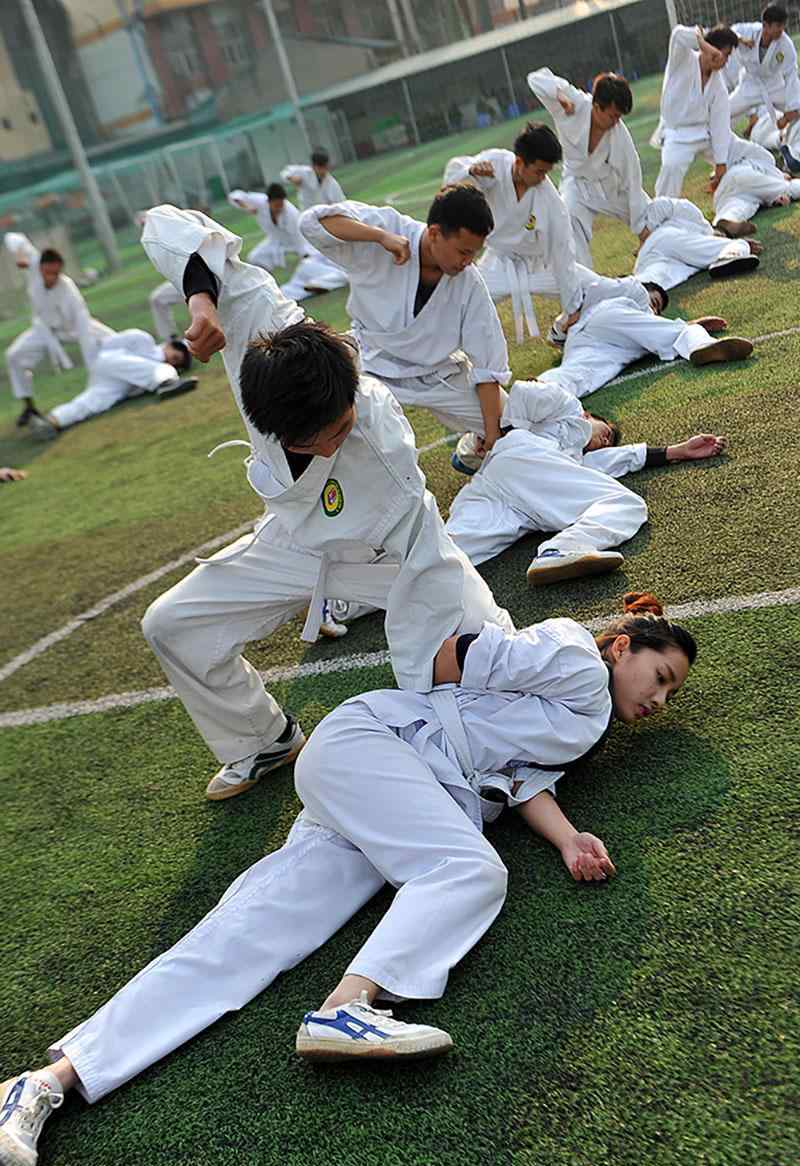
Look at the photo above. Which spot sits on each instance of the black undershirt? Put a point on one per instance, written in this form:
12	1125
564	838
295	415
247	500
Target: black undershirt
424	293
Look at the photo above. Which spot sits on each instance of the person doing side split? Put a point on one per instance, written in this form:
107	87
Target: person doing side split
349	516
279	220
396	787
556	468
695	111
678	242
59	313
128	364
602	173
620	322
531	246
422	315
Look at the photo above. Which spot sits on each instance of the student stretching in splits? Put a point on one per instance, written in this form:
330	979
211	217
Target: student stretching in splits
396	787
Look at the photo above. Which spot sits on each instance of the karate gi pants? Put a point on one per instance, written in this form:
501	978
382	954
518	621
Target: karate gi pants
315	272
525	487
586	198
162	300
199	628
453	399
375	813
29	349
114	376
677	254
676	158
615	336
742	191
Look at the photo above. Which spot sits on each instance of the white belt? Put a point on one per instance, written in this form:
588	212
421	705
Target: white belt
516	272
445	706
368	582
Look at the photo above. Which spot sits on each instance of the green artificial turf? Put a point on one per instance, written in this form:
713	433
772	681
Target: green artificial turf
650	1021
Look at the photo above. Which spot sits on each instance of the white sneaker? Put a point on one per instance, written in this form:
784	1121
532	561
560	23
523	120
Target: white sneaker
25	1104
552	566
239	776
359	1030
344	611
466	458
329	628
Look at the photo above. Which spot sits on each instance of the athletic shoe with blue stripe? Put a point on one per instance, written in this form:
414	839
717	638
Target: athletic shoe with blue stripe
359	1030
239	776
25	1104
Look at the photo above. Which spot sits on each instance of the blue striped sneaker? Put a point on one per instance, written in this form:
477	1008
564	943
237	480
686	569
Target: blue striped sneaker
237	777
25	1104
359	1030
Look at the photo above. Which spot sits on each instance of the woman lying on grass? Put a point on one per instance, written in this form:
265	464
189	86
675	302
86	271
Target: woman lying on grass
396	786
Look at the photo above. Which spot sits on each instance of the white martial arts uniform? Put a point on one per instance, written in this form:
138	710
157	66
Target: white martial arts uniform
393	786
435	359
162	300
537	477
617	326
311	191
681	243
59	314
128	364
359	526
769	81
606	182
766	133
314	271
694	120
752	180
531	248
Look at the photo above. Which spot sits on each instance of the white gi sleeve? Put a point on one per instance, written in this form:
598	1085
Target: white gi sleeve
632	178
336	192
81	321
482	336
682	42
289	173
617	460
791	81
556	659
133	340
250	300
533	402
21	247
249	200
719	124
359	259
529	781
560	252
548	87
457	170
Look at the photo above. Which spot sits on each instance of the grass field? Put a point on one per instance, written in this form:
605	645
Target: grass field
651	1021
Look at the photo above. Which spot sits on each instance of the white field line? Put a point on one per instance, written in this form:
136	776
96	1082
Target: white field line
116	597
60	712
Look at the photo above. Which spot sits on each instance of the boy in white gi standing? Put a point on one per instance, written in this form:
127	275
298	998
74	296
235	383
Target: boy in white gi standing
768	61
349	516
315	184
678	242
128	364
59	314
531	246
695	111
556	468
422	315
602	174
279	219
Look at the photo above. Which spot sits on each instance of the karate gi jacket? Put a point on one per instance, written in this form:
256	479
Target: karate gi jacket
459	318
367	502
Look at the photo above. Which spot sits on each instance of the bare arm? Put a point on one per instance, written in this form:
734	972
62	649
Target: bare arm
584	855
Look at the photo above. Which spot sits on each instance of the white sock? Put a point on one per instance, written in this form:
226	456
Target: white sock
47	1077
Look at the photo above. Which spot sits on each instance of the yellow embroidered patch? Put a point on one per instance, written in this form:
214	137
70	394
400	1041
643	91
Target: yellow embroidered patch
531	223
779	58
332	498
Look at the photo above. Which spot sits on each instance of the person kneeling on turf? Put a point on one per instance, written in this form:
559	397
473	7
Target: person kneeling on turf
128	364
396	787
555	468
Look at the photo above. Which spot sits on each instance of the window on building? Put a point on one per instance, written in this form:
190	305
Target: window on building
226	20
179	42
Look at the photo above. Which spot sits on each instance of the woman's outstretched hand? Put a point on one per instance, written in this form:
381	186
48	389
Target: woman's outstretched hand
586	858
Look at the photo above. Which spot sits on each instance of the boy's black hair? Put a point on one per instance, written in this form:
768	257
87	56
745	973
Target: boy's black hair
275	190
538	143
460	207
616	432
774	14
611	89
177	342
296	382
657	288
320	157
50	255
721	37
